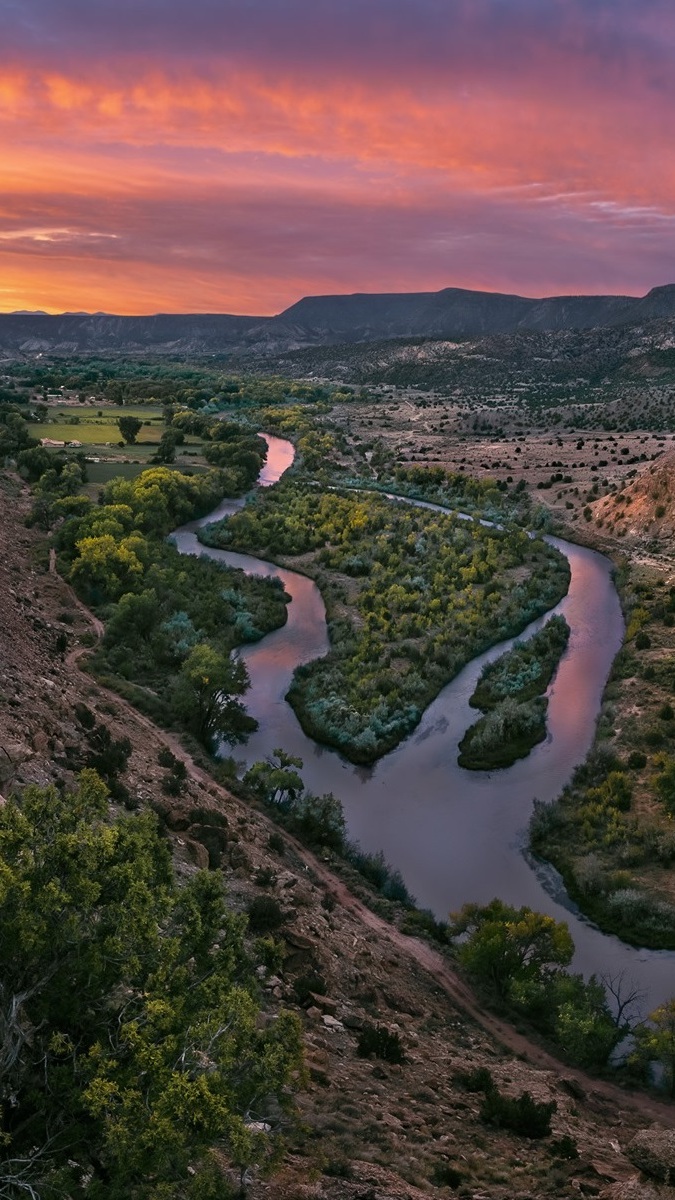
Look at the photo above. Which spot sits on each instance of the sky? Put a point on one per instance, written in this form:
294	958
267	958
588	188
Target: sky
214	156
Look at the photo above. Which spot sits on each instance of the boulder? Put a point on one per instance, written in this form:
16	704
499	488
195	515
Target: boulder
332	1023
297	940
634	1189
653	1151
325	1003
196	853
176	819
213	838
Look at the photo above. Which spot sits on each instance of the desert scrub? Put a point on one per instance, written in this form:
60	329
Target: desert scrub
412	595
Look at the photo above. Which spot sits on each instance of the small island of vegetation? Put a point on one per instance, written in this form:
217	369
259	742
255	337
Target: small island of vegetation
510	693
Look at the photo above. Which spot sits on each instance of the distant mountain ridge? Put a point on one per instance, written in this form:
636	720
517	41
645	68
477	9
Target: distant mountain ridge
329	320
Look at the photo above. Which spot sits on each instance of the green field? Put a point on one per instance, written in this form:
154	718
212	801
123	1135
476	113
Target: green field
101	472
94	431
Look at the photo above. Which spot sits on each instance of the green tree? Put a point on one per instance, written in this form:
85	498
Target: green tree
504	946
166	451
130	1041
33	463
205	696
276	781
129	428
656	1042
106	568
584	1026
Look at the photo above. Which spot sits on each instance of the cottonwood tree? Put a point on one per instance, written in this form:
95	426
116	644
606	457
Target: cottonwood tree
504	945
519	957
129	428
655	1042
205	696
276	780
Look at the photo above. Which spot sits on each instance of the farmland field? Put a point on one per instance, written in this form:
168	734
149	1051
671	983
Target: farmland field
102	472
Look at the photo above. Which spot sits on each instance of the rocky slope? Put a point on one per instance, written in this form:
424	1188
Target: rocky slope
643	509
368	1129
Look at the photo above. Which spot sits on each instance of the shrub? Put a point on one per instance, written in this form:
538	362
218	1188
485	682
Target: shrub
522	1115
108	756
478	1080
381	1043
564	1147
590	875
443	1175
172	785
271	953
307	985
379	874
85	716
317	820
276	844
264	914
642	641
637	760
338	1168
265	877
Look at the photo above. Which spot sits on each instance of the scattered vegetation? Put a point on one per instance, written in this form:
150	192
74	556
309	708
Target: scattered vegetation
525	670
172	621
610	832
521	1115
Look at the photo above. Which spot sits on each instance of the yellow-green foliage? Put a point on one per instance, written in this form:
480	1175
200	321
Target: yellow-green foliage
131	1036
413	595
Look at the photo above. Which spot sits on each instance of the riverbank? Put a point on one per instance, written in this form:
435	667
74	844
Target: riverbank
610	832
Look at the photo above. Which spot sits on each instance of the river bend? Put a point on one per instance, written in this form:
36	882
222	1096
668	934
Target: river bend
455	835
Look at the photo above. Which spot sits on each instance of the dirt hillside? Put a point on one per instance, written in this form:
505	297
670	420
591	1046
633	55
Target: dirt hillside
644	509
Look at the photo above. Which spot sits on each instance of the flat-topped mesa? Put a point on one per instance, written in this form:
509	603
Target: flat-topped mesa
329	320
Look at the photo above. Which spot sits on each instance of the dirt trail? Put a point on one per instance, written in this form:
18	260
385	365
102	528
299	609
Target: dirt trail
430	960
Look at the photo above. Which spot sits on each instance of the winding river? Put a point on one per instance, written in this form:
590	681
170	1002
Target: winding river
455	835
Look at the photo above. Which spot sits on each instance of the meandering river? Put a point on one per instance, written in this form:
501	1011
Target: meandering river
455	835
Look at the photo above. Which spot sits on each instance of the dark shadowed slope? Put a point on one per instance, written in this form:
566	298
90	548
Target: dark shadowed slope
330	320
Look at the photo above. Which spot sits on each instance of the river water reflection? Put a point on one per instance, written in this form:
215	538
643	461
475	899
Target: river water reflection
455	835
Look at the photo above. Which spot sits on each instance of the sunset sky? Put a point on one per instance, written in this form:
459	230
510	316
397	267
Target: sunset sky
214	156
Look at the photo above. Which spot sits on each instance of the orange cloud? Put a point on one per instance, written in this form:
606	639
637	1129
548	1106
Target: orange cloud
153	188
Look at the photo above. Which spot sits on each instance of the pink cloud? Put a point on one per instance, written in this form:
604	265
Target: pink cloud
235	156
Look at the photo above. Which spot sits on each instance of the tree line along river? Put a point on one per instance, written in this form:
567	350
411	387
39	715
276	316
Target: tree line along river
455	835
